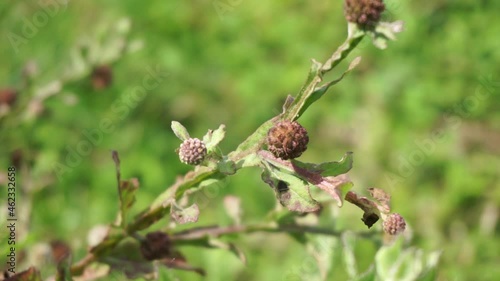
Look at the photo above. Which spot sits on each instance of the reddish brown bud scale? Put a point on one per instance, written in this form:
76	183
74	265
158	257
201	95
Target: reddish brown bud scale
287	140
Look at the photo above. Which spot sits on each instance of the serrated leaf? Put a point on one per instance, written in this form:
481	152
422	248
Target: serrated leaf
318	92
326	169
213	138
185	215
313	78
336	168
180	131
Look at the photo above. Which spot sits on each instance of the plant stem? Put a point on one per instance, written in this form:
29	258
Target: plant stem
161	206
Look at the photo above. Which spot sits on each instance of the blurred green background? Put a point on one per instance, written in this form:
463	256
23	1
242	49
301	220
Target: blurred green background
422	117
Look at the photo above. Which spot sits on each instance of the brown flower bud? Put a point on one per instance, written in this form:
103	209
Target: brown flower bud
366	13
287	140
192	151
394	224
156	245
101	77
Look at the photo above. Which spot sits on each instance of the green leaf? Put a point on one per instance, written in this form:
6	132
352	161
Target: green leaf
325	250
336	187
185	215
318	92
313	78
213	138
336	168
386	257
368	275
180	131
348	241
291	191
252	144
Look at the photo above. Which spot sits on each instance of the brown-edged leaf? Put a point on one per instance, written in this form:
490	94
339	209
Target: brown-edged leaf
383	198
371	212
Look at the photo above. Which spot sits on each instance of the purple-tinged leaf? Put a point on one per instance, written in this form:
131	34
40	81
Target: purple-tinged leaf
337	187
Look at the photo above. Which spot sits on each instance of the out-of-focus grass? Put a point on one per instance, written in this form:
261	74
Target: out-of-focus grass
236	69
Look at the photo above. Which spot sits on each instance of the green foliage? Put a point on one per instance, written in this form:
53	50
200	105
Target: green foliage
421	118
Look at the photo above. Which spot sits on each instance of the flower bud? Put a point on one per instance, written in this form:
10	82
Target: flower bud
192	151
394	224
365	13
287	140
156	245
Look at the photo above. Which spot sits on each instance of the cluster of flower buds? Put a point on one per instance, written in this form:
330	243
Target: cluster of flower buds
192	151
